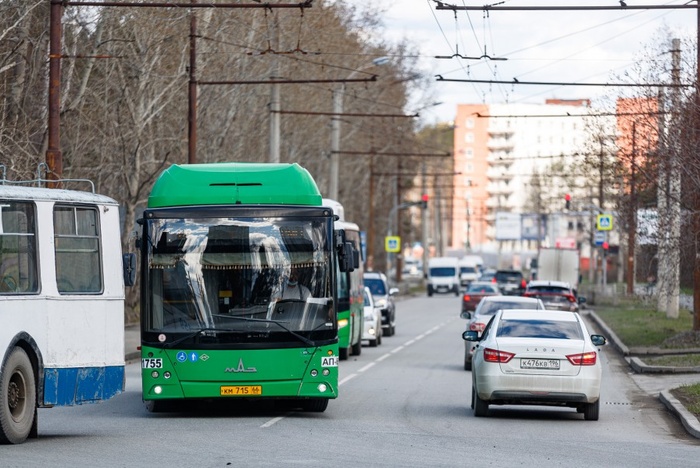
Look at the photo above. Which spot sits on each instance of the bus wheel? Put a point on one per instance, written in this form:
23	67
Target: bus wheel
357	348
159	406
17	398
343	353
316	405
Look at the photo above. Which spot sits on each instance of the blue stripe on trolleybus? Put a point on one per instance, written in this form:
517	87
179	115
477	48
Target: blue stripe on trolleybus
76	386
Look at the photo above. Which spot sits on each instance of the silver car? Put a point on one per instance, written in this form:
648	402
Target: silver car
487	308
536	357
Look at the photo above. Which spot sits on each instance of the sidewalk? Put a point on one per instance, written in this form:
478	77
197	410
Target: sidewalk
657	381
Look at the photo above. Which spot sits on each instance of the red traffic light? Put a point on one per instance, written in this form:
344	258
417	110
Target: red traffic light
424	197
567	197
605	246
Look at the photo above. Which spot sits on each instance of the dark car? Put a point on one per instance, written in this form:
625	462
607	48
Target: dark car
510	282
556	295
383	299
476	291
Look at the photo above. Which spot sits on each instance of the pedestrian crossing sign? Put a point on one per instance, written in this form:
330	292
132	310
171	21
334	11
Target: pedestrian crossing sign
604	222
392	244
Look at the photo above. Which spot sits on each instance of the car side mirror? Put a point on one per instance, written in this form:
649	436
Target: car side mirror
393	291
598	340
470	335
581	300
466	315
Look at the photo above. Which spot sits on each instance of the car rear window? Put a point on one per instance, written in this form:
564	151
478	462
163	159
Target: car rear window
376	286
503	276
490	308
548	289
482	288
542	329
467	270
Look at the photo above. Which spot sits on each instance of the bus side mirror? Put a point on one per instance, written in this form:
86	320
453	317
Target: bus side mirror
346	257
129	266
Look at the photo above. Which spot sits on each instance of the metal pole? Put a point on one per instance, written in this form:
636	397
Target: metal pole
338	92
192	112
275	98
370	230
54	158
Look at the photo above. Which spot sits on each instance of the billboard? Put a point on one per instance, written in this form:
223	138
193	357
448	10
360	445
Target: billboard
508	226
530	222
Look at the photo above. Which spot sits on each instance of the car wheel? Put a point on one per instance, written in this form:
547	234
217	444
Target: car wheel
467	361
591	411
379	337
373	343
473	393
481	407
17	398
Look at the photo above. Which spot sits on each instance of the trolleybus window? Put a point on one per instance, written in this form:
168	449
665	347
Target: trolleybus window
77	242
18	272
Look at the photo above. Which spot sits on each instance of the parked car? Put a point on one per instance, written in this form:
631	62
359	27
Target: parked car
535	357
372	331
556	295
383	299
510	282
476	291
487	308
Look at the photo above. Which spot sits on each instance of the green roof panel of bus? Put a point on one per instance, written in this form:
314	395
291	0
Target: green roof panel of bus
234	183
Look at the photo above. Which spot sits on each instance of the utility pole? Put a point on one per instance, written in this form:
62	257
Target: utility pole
275	94
192	90
696	136
632	216
424	217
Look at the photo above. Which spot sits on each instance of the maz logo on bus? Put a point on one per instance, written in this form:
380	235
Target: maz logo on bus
240	368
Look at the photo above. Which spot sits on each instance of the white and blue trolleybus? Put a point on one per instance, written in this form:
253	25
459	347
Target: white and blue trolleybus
62	278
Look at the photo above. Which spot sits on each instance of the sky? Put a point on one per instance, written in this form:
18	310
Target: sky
540	46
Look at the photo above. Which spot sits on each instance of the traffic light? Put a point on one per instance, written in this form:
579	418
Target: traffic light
606	246
424	201
567	199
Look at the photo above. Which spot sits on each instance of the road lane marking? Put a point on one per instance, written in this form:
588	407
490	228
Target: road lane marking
272	421
367	366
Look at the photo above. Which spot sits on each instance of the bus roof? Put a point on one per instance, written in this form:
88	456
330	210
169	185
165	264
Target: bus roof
16	192
234	183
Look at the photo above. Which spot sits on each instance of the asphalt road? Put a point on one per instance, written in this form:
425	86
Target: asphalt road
404	403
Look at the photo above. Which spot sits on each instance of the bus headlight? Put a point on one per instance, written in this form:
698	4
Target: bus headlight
322	388
342	323
314	372
157	389
326	372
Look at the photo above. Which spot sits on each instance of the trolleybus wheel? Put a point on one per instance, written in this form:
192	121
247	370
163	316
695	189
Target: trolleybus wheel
17	398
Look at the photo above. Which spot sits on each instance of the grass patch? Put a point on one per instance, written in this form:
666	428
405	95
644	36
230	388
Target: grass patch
677	360
689	395
638	325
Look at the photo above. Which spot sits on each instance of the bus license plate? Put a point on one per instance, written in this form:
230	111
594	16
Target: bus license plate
539	363
237	390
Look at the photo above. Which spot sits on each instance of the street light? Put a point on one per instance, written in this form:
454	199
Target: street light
338	94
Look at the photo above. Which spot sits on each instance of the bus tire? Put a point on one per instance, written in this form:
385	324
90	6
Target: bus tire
159	406
315	405
343	353
17	398
357	348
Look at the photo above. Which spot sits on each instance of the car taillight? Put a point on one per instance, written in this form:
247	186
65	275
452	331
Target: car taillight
494	355
466	298
583	359
571	298
493	280
476	326
523	284
528	294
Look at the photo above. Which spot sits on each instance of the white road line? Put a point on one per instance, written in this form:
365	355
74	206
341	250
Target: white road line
397	349
367	366
382	357
272	421
346	379
409	342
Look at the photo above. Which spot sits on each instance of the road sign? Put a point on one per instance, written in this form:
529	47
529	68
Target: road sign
604	222
599	237
392	244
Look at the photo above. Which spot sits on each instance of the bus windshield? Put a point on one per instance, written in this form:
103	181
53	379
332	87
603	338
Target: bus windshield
239	280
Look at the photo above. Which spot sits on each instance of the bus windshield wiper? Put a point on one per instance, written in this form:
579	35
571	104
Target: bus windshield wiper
197	333
301	338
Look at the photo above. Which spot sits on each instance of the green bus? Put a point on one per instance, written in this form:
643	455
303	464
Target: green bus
238	286
350	289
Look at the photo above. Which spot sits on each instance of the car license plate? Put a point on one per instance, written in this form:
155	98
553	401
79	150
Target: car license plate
241	390
539	363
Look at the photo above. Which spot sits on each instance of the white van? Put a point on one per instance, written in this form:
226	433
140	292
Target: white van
469	270
443	275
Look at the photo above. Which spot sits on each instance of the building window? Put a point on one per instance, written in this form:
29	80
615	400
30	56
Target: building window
469	168
469	137
470	153
470	123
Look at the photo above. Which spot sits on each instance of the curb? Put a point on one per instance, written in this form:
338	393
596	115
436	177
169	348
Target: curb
687	419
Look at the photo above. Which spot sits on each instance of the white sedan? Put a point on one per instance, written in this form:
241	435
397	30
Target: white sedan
372	331
535	357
